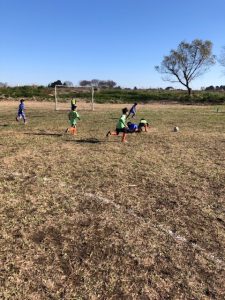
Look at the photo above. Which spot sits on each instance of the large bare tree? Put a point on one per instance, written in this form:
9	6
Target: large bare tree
188	62
222	57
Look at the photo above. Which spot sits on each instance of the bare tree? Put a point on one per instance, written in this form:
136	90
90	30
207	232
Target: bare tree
222	57
188	62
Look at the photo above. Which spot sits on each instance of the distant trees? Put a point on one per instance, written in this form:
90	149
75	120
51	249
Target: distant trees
53	84
68	83
169	88
98	83
216	88
188	62
59	82
3	84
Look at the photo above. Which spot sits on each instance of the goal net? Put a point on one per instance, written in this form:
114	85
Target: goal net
64	94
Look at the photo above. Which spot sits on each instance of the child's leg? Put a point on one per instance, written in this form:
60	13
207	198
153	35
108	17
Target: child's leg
146	127
114	133
124	138
18	117
24	117
75	130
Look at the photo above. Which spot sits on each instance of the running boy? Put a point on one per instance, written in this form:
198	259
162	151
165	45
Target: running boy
21	112
143	124
73	102
132	111
121	126
73	117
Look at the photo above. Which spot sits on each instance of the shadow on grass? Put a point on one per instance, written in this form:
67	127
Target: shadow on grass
93	141
88	141
44	133
4	125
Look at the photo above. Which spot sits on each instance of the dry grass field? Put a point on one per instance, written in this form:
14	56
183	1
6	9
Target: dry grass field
86	217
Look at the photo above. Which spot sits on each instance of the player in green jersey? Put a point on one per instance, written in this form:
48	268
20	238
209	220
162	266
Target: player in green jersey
73	117
121	126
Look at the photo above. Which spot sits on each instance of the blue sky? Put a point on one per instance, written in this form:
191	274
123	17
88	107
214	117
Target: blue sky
122	40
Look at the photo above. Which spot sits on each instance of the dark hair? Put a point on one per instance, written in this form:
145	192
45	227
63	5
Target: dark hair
128	123
135	103
124	110
74	107
22	100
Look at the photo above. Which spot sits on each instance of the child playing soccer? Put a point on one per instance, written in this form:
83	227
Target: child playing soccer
132	127
21	113
73	117
143	125
73	102
132	111
121	126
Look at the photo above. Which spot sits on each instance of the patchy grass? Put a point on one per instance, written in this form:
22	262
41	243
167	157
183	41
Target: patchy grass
87	217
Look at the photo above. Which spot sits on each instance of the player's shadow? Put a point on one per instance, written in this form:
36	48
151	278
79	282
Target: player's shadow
88	141
43	133
4	125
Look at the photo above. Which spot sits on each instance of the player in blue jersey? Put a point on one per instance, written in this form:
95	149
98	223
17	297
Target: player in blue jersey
132	127
21	112
132	111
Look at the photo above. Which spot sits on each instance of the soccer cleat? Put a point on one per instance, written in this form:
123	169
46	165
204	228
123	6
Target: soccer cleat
108	133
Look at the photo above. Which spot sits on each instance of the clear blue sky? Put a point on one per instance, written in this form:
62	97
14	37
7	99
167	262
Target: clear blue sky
122	40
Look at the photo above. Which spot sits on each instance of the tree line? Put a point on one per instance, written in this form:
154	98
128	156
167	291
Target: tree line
182	65
96	83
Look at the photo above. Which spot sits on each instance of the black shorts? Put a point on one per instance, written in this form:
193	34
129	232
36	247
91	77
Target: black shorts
141	125
124	130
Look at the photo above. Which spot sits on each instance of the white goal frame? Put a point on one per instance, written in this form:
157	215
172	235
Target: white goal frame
91	89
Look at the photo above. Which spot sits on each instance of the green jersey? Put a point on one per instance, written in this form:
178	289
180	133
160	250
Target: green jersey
73	101
143	121
73	117
122	122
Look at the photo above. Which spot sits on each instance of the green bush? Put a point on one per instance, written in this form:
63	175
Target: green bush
42	93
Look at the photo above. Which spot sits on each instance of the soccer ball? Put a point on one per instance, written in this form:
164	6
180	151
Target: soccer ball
176	129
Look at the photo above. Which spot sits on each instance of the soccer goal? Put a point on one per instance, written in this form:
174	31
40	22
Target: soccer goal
64	94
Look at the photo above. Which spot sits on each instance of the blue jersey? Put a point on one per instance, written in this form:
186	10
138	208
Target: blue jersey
133	109
132	127
21	107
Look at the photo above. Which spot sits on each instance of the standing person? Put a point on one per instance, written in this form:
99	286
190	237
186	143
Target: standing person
21	112
73	117
132	111
121	126
73	102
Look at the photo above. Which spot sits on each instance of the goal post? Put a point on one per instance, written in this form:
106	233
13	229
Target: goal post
73	90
